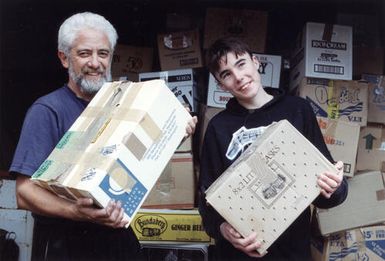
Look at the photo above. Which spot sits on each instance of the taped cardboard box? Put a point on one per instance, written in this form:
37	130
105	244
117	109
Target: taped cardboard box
341	138
179	50
175	188
376	106
164	226
245	24
269	70
183	83
270	184
118	147
366	243
371	148
364	205
131	59
322	51
337	99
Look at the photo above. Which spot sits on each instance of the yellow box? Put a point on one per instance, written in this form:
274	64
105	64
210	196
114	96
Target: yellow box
165	226
119	145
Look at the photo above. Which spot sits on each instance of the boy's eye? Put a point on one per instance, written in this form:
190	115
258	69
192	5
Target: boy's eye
226	75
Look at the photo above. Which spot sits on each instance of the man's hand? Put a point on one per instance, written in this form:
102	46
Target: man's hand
190	128
330	182
248	245
111	216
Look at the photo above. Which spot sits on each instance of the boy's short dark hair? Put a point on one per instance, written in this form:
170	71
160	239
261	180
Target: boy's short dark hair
223	46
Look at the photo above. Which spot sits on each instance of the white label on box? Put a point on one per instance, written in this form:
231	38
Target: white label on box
270	71
323	58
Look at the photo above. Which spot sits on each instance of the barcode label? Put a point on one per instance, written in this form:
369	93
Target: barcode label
320	68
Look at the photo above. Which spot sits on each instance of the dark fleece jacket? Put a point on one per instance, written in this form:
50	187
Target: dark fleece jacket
294	243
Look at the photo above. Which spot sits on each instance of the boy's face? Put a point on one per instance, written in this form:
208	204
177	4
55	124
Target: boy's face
239	75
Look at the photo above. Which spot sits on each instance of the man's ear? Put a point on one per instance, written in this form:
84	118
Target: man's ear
63	59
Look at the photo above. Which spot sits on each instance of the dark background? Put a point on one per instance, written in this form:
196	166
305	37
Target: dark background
29	66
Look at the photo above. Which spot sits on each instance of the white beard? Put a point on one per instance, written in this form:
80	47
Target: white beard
89	87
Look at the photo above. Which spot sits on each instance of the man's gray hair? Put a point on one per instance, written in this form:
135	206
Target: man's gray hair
87	20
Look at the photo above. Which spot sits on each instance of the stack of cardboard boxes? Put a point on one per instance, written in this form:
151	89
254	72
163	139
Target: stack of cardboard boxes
351	115
348	100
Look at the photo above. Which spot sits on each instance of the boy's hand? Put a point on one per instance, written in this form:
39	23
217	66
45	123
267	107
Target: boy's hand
248	245
330	182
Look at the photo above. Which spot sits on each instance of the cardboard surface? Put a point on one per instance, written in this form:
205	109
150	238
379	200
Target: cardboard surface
118	146
337	99
175	188
322	51
366	243
376	106
165	226
371	148
179	50
270	184
341	138
131	59
365	205
269	70
245	24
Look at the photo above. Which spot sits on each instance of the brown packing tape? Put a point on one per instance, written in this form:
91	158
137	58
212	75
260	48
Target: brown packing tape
383	166
380	194
133	144
327	33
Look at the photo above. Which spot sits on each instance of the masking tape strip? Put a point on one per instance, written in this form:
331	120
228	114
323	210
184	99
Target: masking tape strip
107	95
331	128
134	145
121	177
73	157
380	194
131	95
332	101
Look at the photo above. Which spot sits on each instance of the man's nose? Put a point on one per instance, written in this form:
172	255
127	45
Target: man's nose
94	61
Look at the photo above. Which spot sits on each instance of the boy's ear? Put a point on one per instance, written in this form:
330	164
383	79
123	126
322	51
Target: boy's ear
255	60
63	59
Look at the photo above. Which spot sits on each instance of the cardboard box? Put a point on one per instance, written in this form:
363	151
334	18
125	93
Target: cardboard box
165	226
341	138
7	194
182	83
176	252
185	145
175	188
367	60
270	184
21	223
248	25
131	59
179	50
337	99
365	205
270	71
118	147
366	243
322	51
206	114
371	148
376	90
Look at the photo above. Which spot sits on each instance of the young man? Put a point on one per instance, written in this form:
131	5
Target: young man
236	71
66	230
